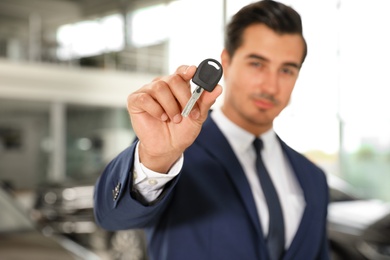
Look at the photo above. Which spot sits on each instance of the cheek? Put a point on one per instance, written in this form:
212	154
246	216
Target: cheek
234	91
240	80
243	80
285	94
241	88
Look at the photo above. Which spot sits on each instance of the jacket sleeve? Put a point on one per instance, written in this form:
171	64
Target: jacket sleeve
117	205
324	253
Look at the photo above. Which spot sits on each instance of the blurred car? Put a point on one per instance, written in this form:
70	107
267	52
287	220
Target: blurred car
376	244
67	208
357	228
20	239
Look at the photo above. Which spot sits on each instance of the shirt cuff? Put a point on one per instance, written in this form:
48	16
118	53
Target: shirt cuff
150	183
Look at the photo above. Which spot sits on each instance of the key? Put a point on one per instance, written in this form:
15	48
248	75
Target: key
206	77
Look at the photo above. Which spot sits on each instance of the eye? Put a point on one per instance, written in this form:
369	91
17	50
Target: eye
256	64
288	71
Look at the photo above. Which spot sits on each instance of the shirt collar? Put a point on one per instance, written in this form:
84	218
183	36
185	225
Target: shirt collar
240	139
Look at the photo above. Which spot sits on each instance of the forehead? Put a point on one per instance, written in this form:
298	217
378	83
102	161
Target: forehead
261	40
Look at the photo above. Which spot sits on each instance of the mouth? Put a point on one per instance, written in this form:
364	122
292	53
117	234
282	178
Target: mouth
264	104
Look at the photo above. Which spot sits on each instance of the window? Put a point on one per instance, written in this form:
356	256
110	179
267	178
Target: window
88	38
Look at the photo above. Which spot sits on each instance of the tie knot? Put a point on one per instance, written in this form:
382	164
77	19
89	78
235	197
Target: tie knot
258	144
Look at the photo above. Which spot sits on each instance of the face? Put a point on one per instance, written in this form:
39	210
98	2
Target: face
260	77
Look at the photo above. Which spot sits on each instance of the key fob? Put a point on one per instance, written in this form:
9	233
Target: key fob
208	74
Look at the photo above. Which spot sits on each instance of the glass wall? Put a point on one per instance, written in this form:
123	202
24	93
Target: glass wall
364	92
338	112
339	109
24	128
93	136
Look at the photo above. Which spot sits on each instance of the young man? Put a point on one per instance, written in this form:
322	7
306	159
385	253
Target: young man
192	183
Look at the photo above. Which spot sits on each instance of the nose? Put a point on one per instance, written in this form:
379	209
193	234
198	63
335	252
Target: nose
270	82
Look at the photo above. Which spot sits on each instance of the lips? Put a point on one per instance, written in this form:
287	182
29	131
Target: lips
264	104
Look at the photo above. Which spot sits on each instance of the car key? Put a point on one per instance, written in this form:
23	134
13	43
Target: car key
206	77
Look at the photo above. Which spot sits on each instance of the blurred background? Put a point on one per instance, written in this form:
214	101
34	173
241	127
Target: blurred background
67	67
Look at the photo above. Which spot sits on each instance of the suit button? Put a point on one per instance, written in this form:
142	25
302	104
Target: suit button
115	191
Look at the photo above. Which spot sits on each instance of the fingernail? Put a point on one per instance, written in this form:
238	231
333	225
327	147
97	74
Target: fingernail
185	72
177	118
164	117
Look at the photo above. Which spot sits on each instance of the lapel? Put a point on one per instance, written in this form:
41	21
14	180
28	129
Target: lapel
298	167
215	143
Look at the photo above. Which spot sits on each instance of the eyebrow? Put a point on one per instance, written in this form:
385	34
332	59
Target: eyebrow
259	57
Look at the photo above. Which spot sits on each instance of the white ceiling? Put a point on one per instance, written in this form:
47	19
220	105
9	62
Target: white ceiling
16	15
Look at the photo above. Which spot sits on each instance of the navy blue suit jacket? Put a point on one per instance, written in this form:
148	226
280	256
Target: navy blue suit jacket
208	211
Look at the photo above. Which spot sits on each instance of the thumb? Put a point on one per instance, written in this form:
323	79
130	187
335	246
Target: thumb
186	72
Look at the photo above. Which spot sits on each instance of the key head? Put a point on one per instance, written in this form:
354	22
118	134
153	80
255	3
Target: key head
208	74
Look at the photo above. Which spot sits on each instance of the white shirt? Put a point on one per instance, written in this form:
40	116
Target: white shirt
150	183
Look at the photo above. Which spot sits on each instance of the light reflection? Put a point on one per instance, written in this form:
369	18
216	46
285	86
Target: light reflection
88	38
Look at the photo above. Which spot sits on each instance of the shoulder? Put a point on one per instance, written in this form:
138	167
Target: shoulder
310	176
295	155
302	164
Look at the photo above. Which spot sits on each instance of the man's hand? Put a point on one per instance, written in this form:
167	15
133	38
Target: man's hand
155	113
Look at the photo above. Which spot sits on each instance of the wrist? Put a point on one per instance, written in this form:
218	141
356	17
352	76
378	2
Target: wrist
160	163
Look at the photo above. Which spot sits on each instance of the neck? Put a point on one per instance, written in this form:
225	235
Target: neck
248	124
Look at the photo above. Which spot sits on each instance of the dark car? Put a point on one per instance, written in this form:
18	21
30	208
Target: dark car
20	239
358	228
67	208
376	242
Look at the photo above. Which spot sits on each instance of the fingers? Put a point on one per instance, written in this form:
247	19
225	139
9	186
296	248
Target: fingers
206	100
145	101
164	97
204	103
186	72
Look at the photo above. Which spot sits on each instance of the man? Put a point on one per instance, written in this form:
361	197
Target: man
192	182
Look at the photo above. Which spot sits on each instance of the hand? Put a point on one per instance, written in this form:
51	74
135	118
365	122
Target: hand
155	113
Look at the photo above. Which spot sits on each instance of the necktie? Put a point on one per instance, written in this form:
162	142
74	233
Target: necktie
275	238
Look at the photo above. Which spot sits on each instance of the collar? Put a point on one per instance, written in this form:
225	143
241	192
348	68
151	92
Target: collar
240	139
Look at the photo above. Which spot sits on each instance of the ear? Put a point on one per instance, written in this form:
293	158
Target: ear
225	60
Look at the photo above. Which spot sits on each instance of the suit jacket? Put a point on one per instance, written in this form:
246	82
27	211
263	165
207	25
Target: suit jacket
208	211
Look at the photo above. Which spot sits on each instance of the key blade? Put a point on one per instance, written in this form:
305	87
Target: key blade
191	103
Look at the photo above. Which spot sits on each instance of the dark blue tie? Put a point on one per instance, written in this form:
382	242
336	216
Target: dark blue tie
275	238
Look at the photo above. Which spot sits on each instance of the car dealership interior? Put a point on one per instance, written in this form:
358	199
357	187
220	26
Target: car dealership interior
67	67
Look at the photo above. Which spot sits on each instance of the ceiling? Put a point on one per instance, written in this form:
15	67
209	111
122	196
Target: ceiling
28	27
17	15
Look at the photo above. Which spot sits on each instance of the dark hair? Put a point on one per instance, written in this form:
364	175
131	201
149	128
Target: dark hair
277	16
